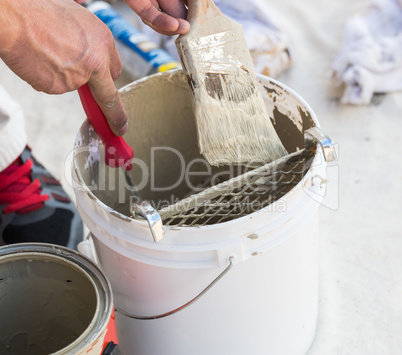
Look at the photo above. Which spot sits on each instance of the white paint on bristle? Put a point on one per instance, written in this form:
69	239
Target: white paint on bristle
236	128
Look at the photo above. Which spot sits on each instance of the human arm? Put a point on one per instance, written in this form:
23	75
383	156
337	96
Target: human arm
57	46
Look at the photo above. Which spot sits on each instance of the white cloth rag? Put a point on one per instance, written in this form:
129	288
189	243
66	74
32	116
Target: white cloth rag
267	43
370	60
13	138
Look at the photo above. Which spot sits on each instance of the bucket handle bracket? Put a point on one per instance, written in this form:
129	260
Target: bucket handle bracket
144	210
319	136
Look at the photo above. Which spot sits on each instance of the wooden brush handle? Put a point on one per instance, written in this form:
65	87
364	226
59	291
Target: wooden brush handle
201	10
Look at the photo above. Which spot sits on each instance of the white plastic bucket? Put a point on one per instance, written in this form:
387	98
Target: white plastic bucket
266	302
53	301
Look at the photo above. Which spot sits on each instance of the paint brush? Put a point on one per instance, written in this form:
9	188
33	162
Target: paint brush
233	124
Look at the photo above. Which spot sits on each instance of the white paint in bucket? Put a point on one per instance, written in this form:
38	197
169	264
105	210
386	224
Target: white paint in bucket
266	303
53	301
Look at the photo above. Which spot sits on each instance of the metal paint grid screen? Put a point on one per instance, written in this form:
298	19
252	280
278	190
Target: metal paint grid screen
242	195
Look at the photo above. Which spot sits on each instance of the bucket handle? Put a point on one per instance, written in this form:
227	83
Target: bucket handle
196	298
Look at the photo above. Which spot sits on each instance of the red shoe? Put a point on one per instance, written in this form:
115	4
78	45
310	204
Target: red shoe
34	207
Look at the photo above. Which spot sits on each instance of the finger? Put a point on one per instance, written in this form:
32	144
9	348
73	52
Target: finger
106	95
116	66
174	8
159	21
163	24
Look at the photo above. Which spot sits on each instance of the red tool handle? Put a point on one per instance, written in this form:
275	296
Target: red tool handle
117	152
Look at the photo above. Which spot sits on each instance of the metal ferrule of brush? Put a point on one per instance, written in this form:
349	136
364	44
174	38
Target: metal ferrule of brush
208	54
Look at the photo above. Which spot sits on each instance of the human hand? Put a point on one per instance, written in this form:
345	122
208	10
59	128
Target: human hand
56	46
164	16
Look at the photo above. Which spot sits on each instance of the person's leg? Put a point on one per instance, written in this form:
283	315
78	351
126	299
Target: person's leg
33	205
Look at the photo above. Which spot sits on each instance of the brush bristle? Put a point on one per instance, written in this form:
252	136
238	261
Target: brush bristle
233	124
232	121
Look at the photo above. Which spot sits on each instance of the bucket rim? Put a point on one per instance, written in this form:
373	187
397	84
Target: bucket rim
84	188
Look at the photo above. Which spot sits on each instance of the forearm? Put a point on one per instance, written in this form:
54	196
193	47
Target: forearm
11	24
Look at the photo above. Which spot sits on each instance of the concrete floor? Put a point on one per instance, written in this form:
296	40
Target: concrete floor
360	230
